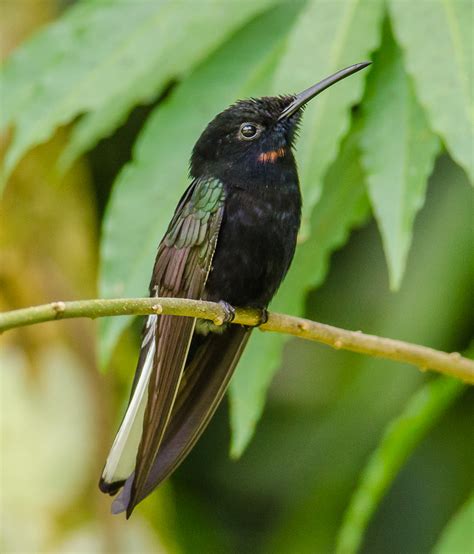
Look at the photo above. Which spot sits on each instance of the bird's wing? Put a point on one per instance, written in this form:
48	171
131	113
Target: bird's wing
181	268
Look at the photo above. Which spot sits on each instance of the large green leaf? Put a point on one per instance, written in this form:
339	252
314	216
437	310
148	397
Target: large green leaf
41	55
458	537
327	37
194	34
148	189
399	441
105	57
436	38
343	205
398	153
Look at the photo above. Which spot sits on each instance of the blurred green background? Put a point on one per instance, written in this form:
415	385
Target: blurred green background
101	102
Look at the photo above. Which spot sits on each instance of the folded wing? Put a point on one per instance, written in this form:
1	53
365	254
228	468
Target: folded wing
182	265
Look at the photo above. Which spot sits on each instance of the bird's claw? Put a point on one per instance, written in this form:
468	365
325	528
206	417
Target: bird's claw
263	317
229	311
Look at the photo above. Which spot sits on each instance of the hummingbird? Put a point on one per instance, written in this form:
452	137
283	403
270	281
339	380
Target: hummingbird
231	240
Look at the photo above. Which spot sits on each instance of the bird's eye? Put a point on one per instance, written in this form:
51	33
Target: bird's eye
249	131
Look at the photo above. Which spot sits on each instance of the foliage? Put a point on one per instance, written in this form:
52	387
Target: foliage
368	144
404	433
398	163
436	41
457	537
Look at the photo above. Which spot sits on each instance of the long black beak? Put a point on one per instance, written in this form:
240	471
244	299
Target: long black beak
311	92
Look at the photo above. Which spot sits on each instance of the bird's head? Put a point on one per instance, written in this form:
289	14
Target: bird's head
255	132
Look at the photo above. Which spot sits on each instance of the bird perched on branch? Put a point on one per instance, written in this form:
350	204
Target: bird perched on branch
231	240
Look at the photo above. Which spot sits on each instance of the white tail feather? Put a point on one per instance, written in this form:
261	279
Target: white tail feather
121	460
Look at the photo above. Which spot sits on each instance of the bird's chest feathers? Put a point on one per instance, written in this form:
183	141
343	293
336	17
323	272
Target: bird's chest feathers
256	244
265	219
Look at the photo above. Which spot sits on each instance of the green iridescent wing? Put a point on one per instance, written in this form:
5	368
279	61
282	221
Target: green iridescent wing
181	269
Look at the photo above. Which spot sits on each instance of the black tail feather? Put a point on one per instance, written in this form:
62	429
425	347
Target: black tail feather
210	366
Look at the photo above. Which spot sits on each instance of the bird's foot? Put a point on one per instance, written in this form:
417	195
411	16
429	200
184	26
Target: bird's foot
229	311
263	317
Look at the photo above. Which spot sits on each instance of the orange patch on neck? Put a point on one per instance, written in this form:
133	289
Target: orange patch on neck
272	156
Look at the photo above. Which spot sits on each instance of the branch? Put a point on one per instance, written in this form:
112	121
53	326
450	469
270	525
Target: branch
423	357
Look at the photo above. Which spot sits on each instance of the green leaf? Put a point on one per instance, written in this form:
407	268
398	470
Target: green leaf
458	536
327	37
400	439
106	57
23	71
398	154
148	188
436	38
194	34
342	206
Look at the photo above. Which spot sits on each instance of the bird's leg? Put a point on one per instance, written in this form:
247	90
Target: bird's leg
229	311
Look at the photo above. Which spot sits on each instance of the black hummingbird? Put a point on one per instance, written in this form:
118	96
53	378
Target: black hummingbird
231	240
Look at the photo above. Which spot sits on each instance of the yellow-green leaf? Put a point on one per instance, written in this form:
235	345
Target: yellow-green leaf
458	536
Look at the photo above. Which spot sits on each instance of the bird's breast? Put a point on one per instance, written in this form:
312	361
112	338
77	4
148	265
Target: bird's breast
255	246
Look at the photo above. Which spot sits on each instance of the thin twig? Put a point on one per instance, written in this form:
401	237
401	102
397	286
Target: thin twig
423	357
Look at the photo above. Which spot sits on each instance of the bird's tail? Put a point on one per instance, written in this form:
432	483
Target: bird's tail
121	459
211	363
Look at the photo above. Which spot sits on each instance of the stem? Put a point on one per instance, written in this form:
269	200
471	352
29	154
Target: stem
423	357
